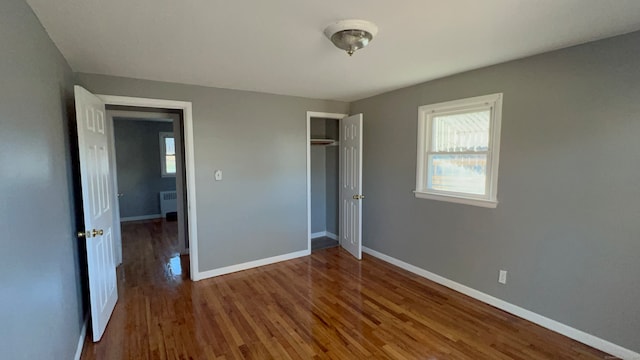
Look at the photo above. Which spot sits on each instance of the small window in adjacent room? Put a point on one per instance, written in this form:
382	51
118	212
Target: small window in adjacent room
167	154
458	151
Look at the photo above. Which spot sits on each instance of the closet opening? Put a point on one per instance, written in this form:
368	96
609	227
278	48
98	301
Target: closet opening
325	185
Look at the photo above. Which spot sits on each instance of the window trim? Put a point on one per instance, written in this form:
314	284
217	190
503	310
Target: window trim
163	152
425	116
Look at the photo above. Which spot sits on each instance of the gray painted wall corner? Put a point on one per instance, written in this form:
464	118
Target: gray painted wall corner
566	224
259	141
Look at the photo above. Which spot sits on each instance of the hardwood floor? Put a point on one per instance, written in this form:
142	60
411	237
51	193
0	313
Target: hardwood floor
324	306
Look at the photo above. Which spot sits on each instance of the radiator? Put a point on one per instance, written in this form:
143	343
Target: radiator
168	202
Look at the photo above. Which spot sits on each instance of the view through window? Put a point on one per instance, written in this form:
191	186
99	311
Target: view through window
458	150
168	154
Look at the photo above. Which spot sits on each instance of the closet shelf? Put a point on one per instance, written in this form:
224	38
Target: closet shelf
325	142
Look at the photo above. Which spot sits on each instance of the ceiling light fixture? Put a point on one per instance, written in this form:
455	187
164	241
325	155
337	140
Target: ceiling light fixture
351	35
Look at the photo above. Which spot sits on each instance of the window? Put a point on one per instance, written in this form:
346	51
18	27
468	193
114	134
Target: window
458	150
167	154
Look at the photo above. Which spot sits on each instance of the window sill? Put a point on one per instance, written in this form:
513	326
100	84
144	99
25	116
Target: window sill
456	199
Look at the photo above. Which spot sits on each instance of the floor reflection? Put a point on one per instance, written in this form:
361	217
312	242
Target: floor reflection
174	267
325	306
151	255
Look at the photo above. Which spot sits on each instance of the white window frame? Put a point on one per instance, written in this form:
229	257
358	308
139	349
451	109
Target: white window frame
163	152
426	113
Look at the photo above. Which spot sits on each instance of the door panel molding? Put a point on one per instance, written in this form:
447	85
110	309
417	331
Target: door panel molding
98	216
351	186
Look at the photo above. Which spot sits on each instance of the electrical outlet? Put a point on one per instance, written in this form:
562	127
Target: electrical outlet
502	277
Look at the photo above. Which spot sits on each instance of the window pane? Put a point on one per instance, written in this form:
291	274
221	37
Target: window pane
169	146
458	173
461	132
170	161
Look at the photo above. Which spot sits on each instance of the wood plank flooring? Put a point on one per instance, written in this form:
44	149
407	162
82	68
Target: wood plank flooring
324	306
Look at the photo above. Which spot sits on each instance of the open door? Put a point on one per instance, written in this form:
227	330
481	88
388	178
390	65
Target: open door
98	211
351	185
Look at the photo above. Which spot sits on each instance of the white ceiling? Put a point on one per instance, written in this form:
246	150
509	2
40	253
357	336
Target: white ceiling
277	46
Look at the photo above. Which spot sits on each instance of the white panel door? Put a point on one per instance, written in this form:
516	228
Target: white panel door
351	185
97	207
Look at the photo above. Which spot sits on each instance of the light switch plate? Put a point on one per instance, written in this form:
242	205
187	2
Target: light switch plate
502	277
217	175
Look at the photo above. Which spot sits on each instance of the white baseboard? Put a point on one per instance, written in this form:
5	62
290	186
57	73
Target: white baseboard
83	335
323	234
142	217
249	265
545	322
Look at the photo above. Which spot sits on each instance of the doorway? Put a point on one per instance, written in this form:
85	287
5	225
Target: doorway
325	190
148	178
334	157
180	115
95	135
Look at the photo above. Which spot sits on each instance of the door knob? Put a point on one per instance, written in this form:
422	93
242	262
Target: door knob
358	197
92	233
120	195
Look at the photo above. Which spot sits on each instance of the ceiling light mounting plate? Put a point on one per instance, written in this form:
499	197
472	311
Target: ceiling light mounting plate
351	35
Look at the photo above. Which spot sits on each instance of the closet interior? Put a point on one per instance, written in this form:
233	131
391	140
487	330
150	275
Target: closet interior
325	187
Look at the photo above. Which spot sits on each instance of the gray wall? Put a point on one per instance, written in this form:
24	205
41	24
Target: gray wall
259	141
41	308
566	227
138	164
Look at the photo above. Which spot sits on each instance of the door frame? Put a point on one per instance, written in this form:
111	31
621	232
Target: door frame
321	115
190	181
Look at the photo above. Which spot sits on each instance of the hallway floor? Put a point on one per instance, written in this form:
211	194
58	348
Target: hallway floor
324	306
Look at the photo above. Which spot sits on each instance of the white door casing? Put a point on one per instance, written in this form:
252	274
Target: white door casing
189	165
351	184
93	146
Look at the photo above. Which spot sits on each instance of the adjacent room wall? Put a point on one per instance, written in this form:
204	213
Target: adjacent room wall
566	227
139	168
259	209
41	309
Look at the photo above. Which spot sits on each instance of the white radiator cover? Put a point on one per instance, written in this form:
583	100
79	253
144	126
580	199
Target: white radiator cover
168	202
